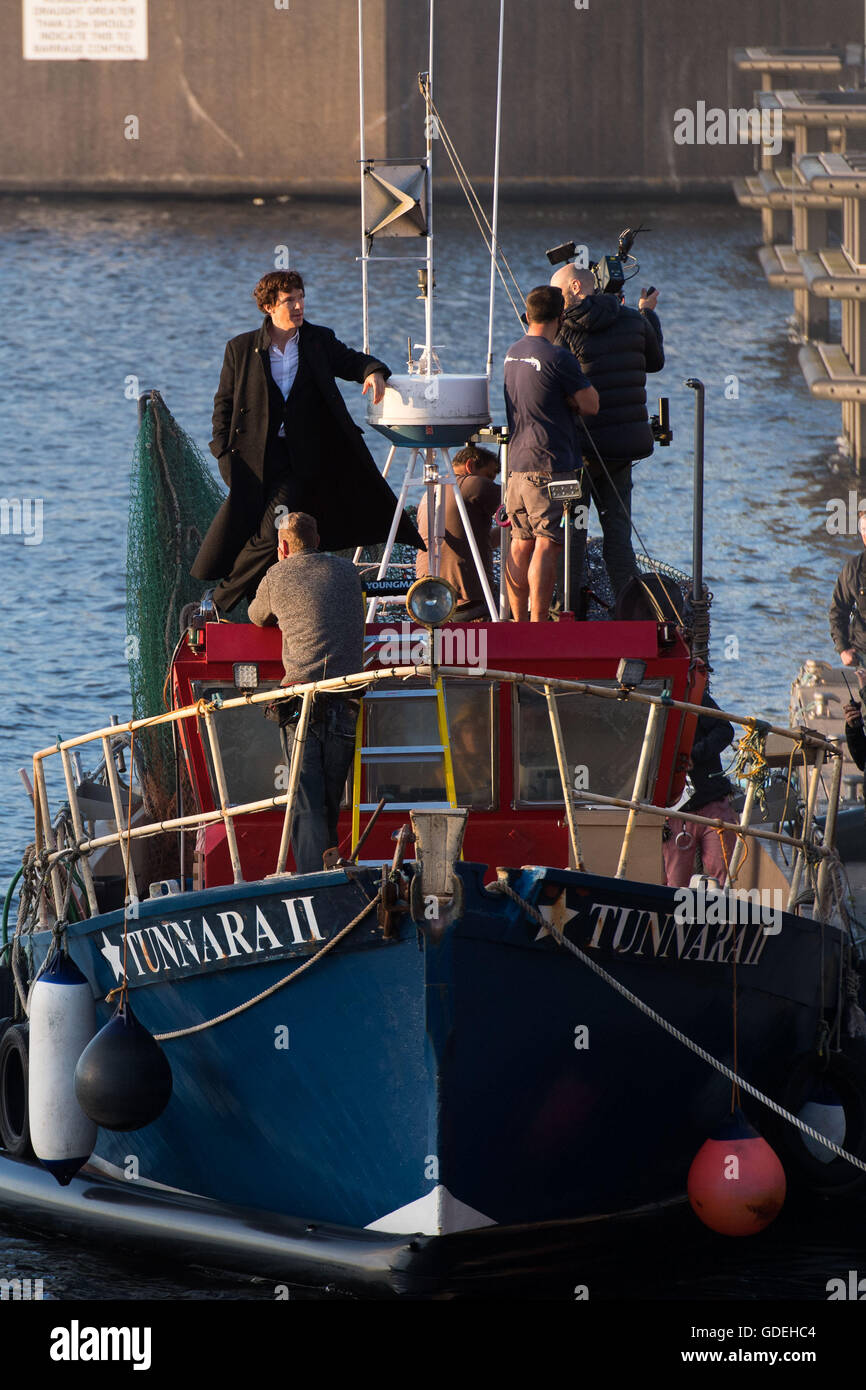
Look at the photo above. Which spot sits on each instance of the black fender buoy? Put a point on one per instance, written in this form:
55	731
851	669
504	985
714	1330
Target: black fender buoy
14	1090
817	1089
123	1079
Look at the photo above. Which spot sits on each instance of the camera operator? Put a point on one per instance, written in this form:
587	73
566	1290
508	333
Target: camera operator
616	347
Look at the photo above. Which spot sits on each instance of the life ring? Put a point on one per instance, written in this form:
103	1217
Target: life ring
813	1082
14	1088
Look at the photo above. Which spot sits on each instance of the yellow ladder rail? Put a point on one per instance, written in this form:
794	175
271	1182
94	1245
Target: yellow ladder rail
447	761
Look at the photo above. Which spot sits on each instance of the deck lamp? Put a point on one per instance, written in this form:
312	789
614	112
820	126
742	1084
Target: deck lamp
630	672
246	676
431	601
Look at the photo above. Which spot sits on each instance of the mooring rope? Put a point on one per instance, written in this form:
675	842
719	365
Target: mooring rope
535	916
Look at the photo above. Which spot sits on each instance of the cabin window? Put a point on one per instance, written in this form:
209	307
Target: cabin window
602	742
407	720
249	744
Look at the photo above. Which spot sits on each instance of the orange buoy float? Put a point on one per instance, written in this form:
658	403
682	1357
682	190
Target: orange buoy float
736	1183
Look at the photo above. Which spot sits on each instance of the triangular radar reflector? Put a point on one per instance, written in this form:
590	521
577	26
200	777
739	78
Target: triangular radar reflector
395	200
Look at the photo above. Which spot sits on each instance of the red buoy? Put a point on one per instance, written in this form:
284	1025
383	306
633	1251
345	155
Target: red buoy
736	1183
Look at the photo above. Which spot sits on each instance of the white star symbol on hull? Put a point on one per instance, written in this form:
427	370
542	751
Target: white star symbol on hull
112	955
557	914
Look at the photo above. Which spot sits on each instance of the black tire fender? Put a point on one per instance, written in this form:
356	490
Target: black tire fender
14	1090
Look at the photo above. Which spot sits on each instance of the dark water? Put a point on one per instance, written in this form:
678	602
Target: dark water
96	293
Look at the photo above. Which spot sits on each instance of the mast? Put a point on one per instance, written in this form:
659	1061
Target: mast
363	153
428	302
495	222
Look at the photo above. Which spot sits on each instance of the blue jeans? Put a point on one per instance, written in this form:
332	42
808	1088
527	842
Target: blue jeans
328	752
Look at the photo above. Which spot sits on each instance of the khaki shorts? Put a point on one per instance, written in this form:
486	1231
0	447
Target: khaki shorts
530	510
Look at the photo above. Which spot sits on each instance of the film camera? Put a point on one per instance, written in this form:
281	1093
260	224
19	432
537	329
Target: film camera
611	272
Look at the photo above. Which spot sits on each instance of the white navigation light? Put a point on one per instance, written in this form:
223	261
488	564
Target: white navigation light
630	672
246	674
431	601
431	411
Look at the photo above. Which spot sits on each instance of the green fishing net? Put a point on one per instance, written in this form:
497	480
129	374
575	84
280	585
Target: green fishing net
173	499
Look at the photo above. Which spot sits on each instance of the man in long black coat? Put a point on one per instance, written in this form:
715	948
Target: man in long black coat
285	441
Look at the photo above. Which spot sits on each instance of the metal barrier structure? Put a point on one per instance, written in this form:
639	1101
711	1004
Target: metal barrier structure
809	852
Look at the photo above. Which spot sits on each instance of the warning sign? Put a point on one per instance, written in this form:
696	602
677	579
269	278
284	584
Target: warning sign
70	29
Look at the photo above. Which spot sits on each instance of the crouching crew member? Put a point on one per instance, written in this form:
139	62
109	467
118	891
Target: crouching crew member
711	797
475	470
316	599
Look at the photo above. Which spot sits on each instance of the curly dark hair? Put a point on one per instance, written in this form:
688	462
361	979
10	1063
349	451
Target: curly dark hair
472	454
276	282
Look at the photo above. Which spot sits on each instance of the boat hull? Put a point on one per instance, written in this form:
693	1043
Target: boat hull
461	1075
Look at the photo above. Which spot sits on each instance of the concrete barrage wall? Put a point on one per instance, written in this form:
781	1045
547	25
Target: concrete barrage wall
261	96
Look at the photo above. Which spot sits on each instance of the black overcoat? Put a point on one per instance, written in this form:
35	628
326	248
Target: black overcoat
350	499
616	347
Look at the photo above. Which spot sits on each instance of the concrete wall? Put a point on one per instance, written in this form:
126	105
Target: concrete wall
236	95
590	94
242	96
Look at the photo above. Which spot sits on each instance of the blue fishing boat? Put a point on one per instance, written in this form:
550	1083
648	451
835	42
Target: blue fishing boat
490	1028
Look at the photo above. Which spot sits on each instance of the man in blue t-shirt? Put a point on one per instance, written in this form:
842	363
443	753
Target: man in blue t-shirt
544	386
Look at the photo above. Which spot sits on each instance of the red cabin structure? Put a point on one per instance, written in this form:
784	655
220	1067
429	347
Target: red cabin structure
501	743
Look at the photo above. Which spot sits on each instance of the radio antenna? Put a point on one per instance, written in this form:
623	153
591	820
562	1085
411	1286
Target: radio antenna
494	244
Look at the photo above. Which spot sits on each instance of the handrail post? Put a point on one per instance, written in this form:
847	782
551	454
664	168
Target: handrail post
114	787
829	838
811	798
646	753
45	840
739	851
219	773
559	745
78	827
298	743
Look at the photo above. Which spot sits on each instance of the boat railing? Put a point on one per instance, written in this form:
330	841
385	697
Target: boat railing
813	851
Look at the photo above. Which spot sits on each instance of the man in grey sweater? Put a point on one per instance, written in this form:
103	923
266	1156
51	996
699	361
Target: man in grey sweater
316	599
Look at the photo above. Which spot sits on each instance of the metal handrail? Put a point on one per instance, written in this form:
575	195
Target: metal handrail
547	686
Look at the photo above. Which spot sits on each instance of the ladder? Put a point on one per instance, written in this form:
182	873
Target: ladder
405	753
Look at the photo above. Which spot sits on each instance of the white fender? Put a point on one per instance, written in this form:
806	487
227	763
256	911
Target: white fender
62	1023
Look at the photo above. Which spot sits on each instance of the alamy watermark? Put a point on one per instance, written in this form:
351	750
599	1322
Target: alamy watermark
410	646
22	1290
22	516
713	907
734	126
843	514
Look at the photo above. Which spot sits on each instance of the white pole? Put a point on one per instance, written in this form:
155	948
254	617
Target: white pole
428	303
495	223
363	152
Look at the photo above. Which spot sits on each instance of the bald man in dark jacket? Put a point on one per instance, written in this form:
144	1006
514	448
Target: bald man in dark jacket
616	347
